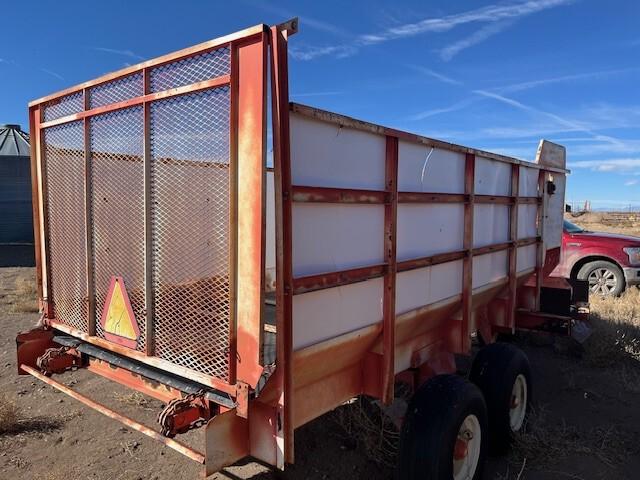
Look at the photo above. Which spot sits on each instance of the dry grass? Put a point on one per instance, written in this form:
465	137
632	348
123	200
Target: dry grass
9	415
25	296
134	399
545	441
365	423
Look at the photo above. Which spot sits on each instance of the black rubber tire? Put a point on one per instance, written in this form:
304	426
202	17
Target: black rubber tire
431	426
494	371
587	268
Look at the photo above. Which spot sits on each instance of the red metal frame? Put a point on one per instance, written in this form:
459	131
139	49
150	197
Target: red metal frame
248	126
314	379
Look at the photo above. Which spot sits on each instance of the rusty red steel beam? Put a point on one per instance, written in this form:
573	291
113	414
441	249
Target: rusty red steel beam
429	197
284	242
305	194
194	87
174	444
142	357
389	287
322	281
467	243
513	252
312	283
156	62
310	194
248	98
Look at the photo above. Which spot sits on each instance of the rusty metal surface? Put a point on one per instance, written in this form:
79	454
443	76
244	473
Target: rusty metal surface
117	214
63	106
189	141
64	164
116	90
177	446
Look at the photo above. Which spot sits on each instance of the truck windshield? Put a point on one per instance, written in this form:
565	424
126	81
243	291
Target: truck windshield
571	228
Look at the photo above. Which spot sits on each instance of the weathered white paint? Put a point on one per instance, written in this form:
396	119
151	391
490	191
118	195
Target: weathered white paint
328	313
331	237
489	268
426	169
429	229
492	178
423	286
325	155
490	224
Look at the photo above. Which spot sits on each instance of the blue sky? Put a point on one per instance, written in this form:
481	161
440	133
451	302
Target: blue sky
497	75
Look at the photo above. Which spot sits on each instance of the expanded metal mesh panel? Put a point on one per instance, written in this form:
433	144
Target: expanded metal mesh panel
63	106
191	70
190	201
64	167
116	90
117	209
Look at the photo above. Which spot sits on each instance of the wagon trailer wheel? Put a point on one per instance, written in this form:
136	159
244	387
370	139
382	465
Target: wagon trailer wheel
605	278
444	432
503	374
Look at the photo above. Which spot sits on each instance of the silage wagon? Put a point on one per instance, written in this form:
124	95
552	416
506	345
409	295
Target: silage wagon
173	259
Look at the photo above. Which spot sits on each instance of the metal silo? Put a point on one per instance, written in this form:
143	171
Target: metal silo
16	225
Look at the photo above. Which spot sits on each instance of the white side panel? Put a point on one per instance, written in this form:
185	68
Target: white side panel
554	217
527	221
426	169
325	155
492	177
425	230
489	268
553	155
424	286
328	313
526	257
490	224
528	182
331	237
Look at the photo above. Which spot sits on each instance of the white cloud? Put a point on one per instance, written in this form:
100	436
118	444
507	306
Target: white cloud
311	52
450	51
516	87
500	14
630	183
438	76
52	73
317	94
124	53
616	165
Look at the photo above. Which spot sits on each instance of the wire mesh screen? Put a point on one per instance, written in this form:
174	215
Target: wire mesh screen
190	201
116	90
61	107
191	70
64	168
117	208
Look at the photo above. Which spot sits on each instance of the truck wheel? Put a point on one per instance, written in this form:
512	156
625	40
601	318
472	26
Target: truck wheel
503	374
444	432
605	278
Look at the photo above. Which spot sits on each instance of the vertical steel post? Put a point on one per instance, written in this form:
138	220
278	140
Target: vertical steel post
34	128
540	254
389	296
88	222
149	333
513	249
249	96
467	263
284	271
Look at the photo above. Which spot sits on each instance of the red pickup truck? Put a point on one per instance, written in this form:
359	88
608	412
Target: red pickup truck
610	262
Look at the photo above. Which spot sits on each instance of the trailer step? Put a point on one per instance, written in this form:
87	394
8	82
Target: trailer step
160	376
177	446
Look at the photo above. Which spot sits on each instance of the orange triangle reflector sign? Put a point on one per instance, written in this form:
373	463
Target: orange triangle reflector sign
118	321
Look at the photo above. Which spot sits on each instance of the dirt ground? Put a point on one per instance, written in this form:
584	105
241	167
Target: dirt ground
586	423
